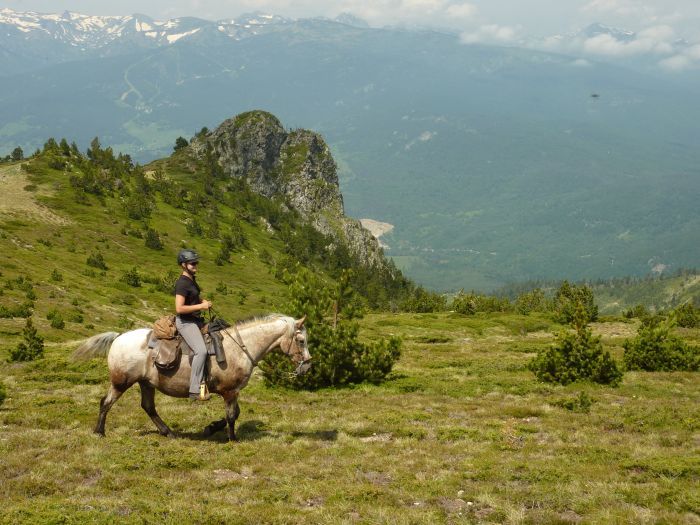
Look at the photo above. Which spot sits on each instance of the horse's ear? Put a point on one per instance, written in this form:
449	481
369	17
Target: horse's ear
300	322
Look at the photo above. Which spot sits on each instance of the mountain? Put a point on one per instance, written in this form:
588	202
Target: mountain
492	164
93	238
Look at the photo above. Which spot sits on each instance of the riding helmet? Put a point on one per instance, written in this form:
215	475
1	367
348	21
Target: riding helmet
187	256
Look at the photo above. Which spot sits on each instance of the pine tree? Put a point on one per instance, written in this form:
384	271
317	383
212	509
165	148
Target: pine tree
31	348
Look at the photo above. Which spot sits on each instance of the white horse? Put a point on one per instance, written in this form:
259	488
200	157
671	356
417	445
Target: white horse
131	361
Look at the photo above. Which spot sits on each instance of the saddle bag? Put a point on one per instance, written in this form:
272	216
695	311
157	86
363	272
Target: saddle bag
167	353
164	328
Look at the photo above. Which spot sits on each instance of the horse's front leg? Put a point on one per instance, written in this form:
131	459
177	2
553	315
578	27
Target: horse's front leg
232	411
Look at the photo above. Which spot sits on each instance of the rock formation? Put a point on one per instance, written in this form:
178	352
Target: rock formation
294	165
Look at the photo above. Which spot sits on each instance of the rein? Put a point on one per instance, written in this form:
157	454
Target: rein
243	347
241	344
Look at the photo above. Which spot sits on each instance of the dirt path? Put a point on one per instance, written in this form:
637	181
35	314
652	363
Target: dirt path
16	202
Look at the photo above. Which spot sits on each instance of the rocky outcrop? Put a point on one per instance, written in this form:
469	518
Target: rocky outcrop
295	165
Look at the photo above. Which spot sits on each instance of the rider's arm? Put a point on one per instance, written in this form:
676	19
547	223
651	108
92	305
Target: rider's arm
182	308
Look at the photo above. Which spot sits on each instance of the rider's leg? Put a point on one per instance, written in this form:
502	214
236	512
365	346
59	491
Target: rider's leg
190	332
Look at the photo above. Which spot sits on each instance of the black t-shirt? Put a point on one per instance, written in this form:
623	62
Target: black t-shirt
189	289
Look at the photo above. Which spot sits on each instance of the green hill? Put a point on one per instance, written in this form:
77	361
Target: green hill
93	238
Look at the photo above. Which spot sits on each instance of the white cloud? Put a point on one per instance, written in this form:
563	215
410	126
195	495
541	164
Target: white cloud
693	52
461	10
490	33
451	13
625	8
581	62
656	40
652	40
676	63
688	58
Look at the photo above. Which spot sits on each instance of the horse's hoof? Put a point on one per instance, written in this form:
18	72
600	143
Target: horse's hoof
99	433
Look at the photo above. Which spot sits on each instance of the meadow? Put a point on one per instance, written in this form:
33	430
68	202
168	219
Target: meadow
460	433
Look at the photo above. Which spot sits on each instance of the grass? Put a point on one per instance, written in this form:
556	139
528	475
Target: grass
460	433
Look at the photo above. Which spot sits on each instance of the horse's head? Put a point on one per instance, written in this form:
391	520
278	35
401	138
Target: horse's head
297	347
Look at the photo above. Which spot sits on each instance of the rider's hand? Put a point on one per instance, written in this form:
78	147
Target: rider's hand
205	304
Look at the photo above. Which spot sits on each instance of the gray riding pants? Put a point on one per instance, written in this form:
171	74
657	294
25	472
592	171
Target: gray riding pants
190	333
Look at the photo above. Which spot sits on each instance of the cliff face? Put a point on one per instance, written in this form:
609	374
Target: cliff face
295	165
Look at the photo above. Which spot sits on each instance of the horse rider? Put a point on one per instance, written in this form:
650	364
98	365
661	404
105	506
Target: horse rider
188	321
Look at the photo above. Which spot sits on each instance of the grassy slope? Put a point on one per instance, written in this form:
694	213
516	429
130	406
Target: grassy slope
461	433
35	248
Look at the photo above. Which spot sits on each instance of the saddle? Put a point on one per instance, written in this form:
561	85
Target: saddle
169	344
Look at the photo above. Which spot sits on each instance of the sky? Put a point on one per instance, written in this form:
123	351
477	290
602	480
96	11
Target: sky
499	18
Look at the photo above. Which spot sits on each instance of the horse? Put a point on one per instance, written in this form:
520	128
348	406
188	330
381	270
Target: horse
131	361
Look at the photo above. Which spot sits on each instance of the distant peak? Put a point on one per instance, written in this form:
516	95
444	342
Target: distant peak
597	28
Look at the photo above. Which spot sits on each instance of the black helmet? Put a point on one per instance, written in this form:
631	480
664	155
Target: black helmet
187	256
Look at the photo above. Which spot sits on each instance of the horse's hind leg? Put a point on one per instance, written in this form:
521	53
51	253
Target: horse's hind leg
106	403
148	403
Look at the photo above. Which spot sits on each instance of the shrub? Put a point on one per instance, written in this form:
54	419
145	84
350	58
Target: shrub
194	227
20	310
124	322
656	349
56	319
422	301
132	277
579	356
639	312
533	301
472	303
686	316
566	301
96	260
339	358
3	394
223	257
56	276
581	403
153	240
138	206
31	348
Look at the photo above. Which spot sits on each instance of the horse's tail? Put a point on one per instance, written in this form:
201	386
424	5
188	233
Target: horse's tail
97	345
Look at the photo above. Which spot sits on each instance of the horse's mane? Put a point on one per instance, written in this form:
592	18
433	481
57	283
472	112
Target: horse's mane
258	319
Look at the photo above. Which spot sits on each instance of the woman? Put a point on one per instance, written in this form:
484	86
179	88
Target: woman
188	321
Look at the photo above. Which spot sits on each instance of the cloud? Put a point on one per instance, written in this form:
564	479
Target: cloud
676	63
688	58
653	40
450	13
490	34
624	8
581	62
